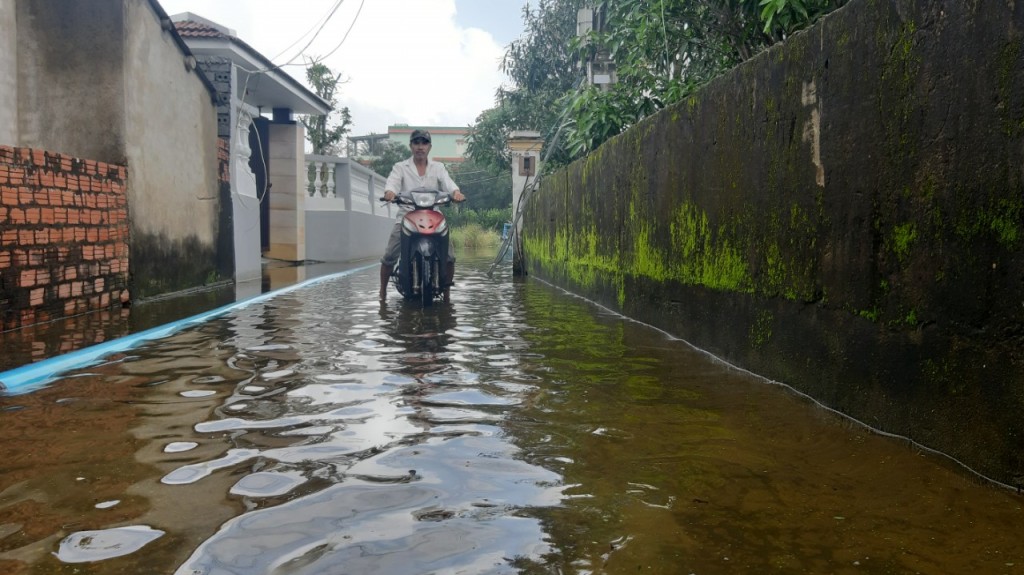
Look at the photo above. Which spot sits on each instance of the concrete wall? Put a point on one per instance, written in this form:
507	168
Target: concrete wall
71	88
180	210
102	80
8	72
844	214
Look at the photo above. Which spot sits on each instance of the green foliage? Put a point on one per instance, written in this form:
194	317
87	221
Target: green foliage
391	153
326	132
662	51
542	68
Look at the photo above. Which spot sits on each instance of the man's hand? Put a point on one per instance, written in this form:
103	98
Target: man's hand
389	196
458	197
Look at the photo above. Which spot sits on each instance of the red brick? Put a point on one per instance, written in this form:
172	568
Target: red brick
9	237
70	273
16	176
27	278
46	179
26	196
92	235
76	289
8	196
64	291
32	216
5	260
35	297
42	237
26	237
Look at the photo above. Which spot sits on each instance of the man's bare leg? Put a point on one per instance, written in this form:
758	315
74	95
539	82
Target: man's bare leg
385	275
450	279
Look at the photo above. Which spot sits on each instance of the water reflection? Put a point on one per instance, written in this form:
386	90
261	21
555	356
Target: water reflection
517	430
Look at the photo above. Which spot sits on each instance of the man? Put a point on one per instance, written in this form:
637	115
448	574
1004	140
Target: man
415	172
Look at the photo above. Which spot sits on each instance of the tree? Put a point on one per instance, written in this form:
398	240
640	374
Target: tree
391	152
662	50
325	132
542	69
485	188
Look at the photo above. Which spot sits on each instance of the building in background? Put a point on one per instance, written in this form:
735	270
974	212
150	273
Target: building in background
449	142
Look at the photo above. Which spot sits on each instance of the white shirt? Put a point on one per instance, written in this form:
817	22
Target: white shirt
405	177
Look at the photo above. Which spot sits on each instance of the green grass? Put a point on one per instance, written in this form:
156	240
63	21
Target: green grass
474	236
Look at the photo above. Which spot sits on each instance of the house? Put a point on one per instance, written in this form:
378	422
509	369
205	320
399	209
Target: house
448	142
268	168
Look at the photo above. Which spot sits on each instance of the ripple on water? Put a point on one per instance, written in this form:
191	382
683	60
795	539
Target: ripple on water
197	393
87	546
196	471
179	446
267	483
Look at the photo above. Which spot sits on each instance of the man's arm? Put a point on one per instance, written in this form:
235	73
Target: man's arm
394	183
450	185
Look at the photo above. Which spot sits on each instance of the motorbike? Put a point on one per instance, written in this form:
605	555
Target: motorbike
422	272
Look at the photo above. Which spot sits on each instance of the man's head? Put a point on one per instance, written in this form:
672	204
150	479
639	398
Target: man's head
419	143
419	137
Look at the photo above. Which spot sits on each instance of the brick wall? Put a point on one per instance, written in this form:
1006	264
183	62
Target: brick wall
63	236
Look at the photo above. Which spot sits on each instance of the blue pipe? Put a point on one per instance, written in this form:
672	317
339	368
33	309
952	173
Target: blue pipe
33	376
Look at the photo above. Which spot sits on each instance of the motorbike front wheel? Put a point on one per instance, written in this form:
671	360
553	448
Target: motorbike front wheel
426	277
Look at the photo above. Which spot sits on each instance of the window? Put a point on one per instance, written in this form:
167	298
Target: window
527	166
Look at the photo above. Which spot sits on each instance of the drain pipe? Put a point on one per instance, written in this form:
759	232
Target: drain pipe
33	376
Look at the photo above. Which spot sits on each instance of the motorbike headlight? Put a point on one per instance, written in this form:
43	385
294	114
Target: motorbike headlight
442	227
409	226
423	199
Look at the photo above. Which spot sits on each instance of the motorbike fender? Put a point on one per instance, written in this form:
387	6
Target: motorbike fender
425	247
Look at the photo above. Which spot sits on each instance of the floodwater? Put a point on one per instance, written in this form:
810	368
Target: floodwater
517	430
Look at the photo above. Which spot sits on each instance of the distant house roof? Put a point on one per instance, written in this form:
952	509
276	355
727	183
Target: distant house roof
266	85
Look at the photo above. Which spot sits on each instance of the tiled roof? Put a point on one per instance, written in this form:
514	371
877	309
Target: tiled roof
192	29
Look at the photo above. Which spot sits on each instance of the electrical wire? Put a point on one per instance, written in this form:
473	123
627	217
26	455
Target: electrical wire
345	37
306	33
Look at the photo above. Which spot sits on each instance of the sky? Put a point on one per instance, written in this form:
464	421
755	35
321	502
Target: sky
417	62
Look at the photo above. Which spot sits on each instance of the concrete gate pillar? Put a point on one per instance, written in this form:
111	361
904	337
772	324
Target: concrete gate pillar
525	146
287	192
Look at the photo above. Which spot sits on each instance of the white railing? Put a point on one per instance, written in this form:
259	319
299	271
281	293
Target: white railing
344	218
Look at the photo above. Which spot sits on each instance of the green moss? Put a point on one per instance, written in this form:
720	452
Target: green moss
705	258
903	237
898	102
870	314
761	331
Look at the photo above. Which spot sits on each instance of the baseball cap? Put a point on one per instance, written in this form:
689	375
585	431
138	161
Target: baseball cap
420	134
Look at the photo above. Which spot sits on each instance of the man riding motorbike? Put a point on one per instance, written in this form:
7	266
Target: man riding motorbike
416	172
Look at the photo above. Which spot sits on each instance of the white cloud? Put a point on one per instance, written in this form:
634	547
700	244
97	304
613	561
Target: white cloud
406	61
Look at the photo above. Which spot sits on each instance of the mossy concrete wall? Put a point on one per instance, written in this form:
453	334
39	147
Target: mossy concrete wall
844	213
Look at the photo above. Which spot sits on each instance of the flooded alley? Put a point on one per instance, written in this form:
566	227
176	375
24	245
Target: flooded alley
519	429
